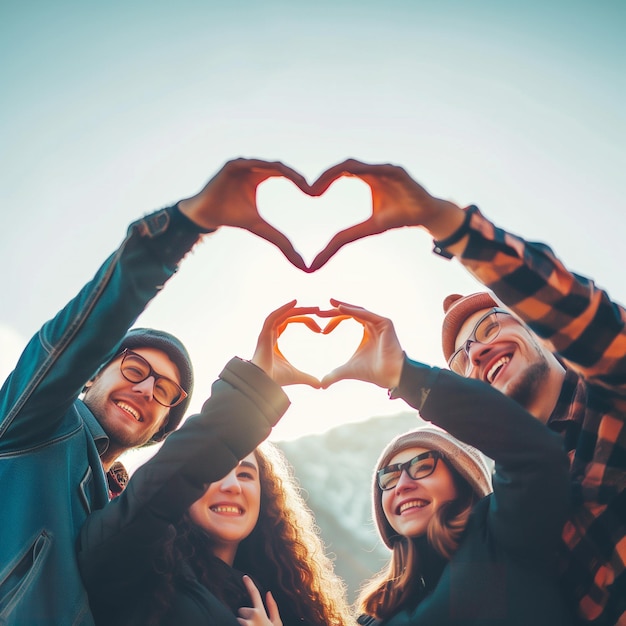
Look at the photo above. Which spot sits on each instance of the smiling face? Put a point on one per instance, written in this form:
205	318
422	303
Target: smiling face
229	509
514	362
411	504
127	411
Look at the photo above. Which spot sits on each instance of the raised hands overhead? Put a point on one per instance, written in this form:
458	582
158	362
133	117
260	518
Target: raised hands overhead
379	357
229	199
268	356
397	200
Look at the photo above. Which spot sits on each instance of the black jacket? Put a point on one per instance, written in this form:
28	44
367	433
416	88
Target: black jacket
118	544
504	572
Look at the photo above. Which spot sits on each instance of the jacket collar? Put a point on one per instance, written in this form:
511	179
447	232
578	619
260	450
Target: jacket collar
100	438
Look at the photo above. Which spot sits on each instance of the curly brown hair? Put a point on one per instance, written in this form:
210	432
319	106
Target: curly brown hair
284	554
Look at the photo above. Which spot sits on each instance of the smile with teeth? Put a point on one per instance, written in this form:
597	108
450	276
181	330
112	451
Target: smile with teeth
412	504
496	367
227	508
129	409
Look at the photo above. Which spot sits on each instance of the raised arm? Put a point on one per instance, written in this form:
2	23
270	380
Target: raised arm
577	319
68	349
531	466
229	199
117	544
397	201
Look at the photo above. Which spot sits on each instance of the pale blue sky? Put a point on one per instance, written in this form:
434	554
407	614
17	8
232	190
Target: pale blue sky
110	110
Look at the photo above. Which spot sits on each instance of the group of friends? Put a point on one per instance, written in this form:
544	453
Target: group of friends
506	507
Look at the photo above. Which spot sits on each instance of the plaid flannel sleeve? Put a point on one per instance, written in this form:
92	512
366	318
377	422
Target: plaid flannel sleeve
576	318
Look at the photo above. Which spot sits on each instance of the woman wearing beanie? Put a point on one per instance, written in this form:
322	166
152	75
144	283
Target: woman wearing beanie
463	553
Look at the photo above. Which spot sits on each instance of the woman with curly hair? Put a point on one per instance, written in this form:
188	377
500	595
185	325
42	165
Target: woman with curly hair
253	521
212	530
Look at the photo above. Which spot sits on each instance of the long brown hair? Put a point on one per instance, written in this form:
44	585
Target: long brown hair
399	584
284	554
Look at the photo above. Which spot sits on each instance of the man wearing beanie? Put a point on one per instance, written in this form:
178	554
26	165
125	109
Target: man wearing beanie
566	363
56	449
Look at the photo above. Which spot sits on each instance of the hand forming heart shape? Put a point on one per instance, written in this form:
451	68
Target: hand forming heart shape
396	201
378	359
310	219
315	350
229	199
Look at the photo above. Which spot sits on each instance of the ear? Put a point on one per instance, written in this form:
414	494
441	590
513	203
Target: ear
87	385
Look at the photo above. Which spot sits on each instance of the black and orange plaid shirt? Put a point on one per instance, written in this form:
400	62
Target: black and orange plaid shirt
587	330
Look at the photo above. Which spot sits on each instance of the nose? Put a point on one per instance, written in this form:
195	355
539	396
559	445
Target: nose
476	352
230	483
405	482
145	387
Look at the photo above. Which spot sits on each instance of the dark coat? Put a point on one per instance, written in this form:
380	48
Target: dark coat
118	544
504	572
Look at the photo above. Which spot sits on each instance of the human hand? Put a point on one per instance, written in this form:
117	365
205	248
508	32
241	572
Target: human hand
257	615
268	356
397	200
379	357
229	199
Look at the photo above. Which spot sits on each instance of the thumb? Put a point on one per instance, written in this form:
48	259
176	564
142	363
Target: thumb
339	373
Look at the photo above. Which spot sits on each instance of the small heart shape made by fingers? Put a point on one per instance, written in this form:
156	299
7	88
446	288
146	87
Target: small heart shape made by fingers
309	222
316	353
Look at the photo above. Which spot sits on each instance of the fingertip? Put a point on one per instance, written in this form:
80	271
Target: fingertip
297	261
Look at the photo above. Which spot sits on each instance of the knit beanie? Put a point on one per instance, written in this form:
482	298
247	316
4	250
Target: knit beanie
465	459
176	351
457	309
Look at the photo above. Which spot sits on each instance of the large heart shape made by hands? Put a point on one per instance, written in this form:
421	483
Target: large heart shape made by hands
310	221
316	353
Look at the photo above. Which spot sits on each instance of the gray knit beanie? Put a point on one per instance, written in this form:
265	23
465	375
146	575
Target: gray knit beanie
176	351
465	459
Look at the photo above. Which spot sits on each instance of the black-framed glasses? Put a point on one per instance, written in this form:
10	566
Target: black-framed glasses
418	467
135	369
487	328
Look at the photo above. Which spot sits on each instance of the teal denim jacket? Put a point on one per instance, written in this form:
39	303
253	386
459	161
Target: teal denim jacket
51	477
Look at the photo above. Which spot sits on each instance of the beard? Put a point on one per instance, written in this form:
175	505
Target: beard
96	399
528	386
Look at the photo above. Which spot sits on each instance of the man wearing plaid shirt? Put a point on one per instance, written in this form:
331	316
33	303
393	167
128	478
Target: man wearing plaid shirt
558	348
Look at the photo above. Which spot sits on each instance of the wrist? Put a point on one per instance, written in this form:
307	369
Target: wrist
454	243
193	211
445	218
396	377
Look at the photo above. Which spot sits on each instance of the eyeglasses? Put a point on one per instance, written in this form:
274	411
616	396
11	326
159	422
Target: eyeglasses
418	467
486	330
136	369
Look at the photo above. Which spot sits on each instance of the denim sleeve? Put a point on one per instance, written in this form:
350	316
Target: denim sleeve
69	348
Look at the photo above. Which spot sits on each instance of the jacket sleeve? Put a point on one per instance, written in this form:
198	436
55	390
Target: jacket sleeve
578	320
531	479
68	349
118	543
